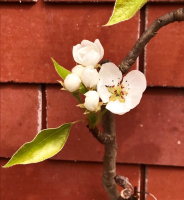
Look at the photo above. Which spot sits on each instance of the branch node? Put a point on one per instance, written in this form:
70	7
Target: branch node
103	138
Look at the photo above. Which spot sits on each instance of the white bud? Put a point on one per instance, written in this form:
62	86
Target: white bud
88	53
91	100
90	77
72	82
78	69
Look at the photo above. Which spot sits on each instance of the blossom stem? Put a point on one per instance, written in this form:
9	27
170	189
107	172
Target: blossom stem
76	95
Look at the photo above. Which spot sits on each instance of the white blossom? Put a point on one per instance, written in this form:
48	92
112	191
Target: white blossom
91	100
72	82
120	97
90	77
88	53
78	69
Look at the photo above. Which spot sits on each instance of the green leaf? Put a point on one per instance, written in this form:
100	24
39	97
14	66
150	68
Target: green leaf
61	70
124	10
46	144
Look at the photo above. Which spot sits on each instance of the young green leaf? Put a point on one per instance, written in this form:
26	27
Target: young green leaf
124	10
61	70
46	144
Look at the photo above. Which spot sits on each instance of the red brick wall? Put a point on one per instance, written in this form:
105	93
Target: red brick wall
150	137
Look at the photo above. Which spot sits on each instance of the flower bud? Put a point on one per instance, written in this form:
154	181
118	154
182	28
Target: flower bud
78	69
88	53
90	77
91	100
72	82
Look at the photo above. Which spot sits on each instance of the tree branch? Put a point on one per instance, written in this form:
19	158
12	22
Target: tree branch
109	160
108	138
177	15
101	137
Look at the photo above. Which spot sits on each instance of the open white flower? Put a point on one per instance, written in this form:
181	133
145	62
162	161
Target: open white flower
78	69
90	77
120	97
91	100
88	53
72	82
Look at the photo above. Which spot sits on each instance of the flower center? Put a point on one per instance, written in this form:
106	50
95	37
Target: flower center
118	93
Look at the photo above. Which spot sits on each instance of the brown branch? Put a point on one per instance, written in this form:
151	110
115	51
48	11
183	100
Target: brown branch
109	160
103	138
177	15
108	138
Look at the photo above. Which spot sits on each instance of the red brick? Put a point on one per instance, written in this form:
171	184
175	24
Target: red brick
61	108
58	180
19	113
164	53
152	133
166	183
32	35
20	1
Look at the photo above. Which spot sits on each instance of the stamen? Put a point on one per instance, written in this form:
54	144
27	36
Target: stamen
112	86
122	97
122	92
115	91
122	87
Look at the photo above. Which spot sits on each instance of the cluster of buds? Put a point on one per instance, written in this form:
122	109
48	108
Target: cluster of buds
103	84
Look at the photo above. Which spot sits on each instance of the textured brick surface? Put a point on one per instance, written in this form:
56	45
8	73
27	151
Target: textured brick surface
20	1
152	133
45	31
58	180
166	183
19	113
164	53
61	108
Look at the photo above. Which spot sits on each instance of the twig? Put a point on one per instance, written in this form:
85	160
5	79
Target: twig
177	15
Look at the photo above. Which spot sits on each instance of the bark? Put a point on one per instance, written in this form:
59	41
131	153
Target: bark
109	160
177	15
101	137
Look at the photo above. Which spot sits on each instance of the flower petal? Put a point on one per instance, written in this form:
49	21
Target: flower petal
94	78
117	107
91	58
72	82
78	69
86	75
135	78
103	92
91	100
132	101
101	49
74	52
87	43
110	74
